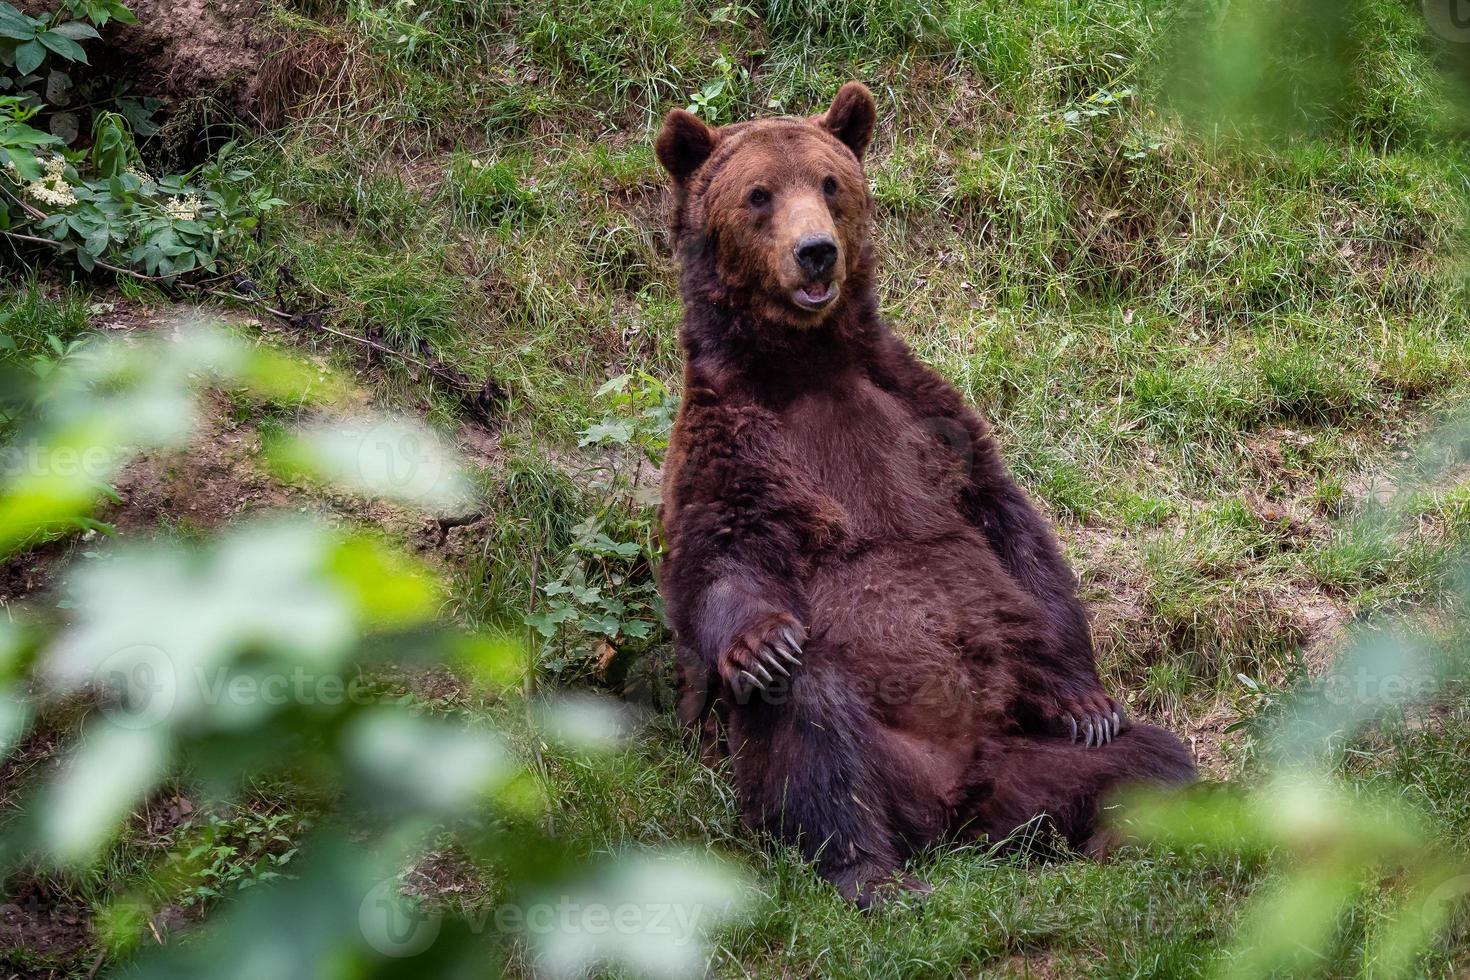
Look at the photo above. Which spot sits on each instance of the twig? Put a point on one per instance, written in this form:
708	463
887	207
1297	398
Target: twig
247	300
31	209
96	964
224	294
97	262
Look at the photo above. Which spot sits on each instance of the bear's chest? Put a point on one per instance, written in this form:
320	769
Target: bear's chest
892	473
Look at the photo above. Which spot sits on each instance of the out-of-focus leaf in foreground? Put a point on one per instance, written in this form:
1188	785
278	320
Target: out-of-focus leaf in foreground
1334	843
647	912
271	650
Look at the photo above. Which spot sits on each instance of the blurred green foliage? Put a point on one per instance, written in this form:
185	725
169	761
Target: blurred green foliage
247	657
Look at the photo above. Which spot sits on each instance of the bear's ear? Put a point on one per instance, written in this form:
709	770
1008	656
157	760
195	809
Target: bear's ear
683	144
852	117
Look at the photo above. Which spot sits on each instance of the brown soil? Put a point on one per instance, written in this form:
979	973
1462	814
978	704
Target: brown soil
184	49
39	930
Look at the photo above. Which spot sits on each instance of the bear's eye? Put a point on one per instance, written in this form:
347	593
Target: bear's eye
829	186
759	197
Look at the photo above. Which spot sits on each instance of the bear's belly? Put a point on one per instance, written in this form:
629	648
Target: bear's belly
925	631
909	600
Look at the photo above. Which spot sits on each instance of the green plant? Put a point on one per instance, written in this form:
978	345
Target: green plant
225	662
101	206
602	594
716	99
246	850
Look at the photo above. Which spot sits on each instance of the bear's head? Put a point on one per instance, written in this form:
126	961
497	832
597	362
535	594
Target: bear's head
774	212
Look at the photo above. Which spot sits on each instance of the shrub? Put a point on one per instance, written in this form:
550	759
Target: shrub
100	205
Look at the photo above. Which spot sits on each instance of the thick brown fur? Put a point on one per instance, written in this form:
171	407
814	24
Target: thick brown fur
823	483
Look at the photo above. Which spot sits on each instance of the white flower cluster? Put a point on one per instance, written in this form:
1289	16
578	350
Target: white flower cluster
183	208
140	173
52	187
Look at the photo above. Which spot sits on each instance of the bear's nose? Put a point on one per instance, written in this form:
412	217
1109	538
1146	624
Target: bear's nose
816	254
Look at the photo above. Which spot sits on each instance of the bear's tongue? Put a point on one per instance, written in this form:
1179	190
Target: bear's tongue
816	292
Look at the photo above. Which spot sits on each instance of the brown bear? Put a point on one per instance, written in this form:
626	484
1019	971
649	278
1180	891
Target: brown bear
872	619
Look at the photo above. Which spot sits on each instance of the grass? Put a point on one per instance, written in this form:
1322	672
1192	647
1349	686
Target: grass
1200	351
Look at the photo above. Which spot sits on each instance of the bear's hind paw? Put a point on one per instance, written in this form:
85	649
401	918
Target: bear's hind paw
871	888
1093	723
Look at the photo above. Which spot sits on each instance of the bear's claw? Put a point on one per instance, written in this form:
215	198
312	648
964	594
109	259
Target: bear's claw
756	657
1097	729
1092	728
769	659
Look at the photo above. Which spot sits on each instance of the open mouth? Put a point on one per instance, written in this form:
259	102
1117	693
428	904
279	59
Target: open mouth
815	295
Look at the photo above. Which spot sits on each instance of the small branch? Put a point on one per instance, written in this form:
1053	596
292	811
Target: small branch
247	300
97	262
479	400
31	209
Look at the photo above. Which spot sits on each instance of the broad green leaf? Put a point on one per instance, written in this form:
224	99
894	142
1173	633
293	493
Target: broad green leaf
390	589
681	896
110	144
14	24
497	660
15	715
427	764
111	772
96	243
392	458
47	495
63	46
76	30
585	722
28	57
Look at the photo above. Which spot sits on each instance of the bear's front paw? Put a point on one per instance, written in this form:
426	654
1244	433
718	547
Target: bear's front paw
759	655
1093	720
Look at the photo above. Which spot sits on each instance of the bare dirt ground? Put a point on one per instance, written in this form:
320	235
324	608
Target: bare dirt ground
203	57
185	49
